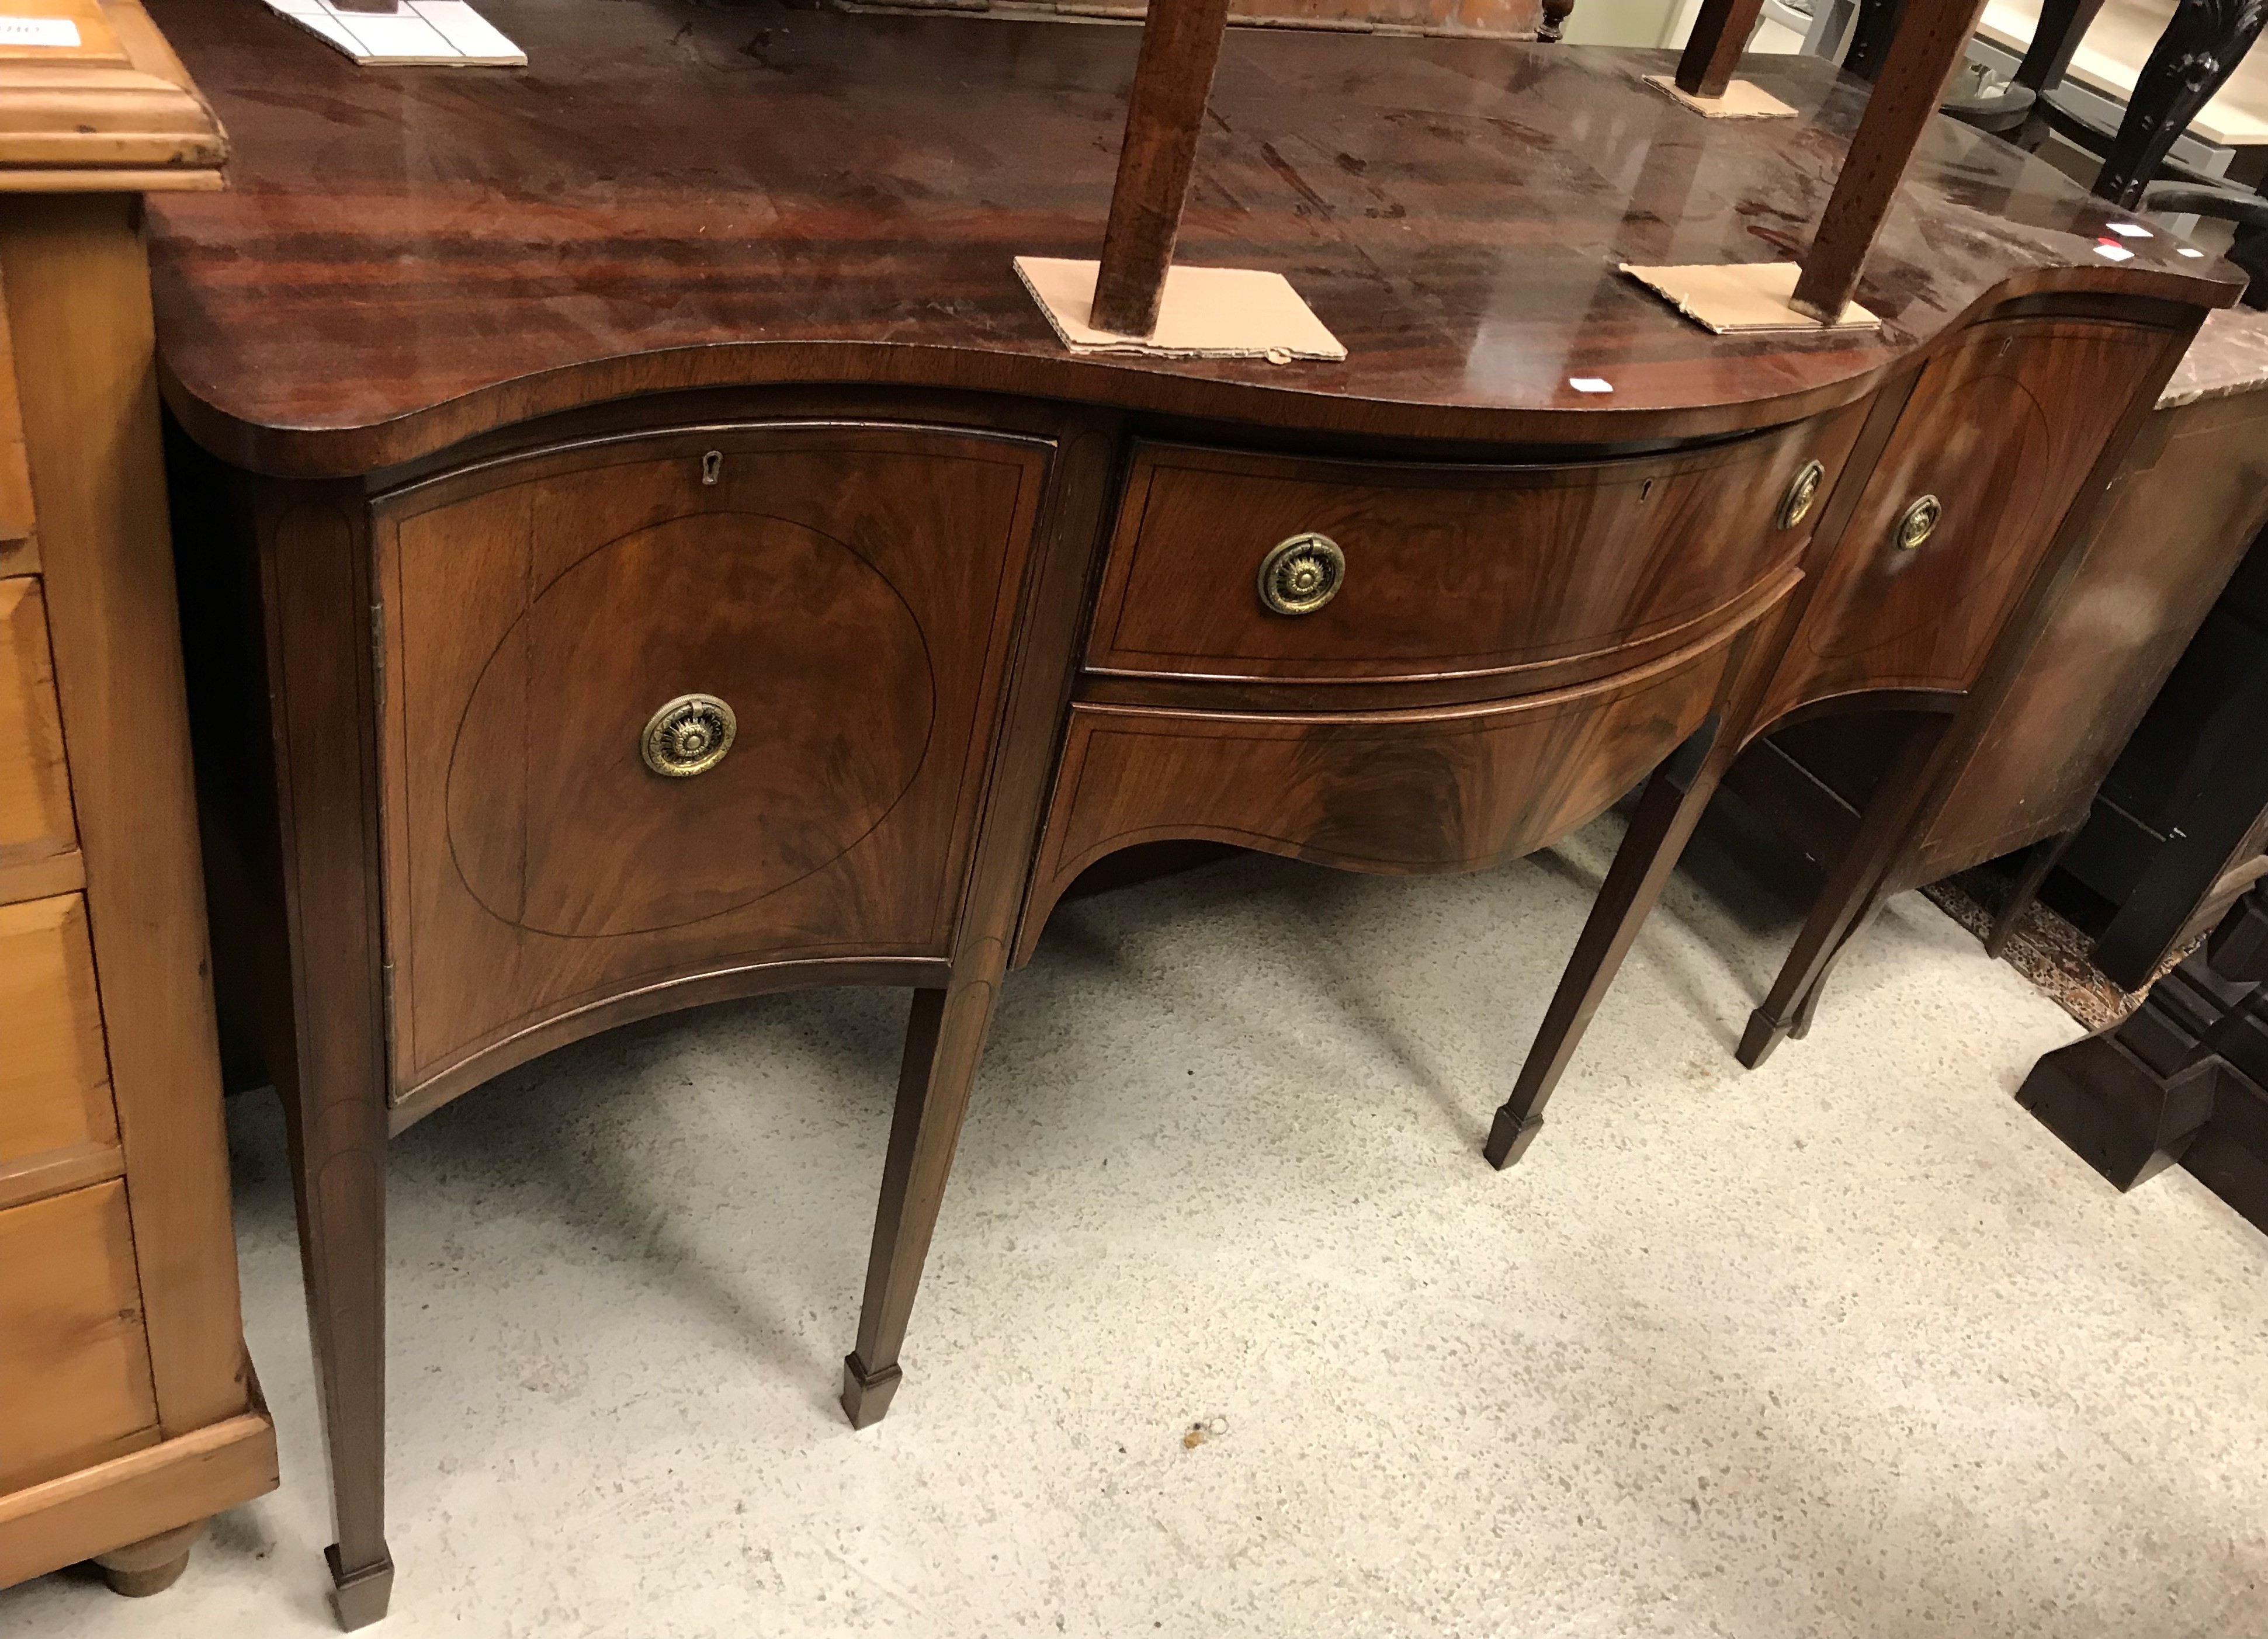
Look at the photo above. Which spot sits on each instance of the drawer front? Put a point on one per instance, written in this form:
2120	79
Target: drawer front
1398	792
846	592
2013	415
54	1079
35	809
1447	570
74	1362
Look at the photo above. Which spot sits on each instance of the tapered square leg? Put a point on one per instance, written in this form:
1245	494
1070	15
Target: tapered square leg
359	1597
944	1038
1668	811
867	1394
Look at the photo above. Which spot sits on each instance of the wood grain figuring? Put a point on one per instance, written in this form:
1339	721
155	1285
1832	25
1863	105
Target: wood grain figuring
2000	431
1392	792
1712	50
846	590
75	1385
1511	576
1165	116
1931	38
45	1527
36	825
2178	525
54	1080
19	547
1455	210
78	303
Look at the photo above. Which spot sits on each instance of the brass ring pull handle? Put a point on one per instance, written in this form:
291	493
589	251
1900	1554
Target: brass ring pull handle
1802	490
1301	575
1916	523
689	736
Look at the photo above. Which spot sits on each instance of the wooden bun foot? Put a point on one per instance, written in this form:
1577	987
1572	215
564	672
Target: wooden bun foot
151	1565
1759	1039
866	1398
358	1598
1509	1137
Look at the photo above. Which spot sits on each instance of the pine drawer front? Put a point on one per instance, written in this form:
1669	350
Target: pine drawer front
35	807
1520	578
75	1386
54	1080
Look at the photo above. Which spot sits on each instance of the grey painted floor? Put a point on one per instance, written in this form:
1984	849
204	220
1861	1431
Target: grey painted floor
1846	1346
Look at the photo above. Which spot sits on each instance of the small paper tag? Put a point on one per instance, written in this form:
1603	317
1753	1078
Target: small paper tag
38	31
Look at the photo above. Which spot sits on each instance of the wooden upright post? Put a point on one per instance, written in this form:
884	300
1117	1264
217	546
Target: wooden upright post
1180	45
1712	51
1921	59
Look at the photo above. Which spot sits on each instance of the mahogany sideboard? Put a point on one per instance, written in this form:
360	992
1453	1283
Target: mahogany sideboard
129	1413
646	548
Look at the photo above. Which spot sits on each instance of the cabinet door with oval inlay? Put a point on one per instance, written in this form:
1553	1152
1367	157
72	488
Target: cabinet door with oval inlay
666	708
1962	507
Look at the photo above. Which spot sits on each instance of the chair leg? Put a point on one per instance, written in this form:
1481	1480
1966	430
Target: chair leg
2043	857
338	1177
1671	806
1854	889
944	1038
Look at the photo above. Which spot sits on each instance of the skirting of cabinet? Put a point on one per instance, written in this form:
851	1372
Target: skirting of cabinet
1396	793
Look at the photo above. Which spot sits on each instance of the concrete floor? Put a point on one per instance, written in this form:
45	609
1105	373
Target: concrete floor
1846	1346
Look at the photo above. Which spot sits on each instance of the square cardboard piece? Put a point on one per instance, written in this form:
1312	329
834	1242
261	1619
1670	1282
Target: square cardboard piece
1207	312
433	33
1747	295
1743	99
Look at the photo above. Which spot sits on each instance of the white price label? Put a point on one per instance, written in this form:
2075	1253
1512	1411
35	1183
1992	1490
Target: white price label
38	31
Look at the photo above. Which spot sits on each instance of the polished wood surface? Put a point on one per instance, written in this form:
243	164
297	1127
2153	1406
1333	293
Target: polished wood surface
846	590
348	307
2000	431
75	1386
55	1081
1165	118
1524	576
490	428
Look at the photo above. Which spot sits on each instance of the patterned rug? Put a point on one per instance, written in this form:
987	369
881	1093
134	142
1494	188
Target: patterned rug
2044	948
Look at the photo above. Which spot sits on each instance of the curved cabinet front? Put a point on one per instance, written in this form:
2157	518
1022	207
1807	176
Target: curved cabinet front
695	708
1516	577
1398	792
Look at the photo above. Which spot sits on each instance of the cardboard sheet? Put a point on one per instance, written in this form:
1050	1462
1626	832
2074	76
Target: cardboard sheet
443	33
1207	312
1743	99
1748	295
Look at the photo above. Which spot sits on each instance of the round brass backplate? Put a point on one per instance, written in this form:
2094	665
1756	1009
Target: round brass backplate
1301	575
1916	521
1802	490
689	736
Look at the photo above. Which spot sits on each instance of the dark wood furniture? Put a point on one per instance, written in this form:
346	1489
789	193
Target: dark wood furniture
2182	1079
128	1409
521	463
2189	496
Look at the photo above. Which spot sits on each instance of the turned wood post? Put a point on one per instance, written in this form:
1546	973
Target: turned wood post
1180	45
1712	51
1921	59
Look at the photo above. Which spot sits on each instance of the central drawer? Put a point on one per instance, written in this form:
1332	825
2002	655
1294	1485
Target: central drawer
1533	575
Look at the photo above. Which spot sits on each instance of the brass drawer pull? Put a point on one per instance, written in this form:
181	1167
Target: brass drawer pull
1802	490
1916	521
1301	575
689	736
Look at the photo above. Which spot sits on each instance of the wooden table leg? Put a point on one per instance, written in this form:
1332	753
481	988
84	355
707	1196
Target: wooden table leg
1854	889
1670	807
2044	856
944	1038
153	1565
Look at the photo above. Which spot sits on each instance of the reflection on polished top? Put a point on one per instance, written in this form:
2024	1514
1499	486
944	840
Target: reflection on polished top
674	195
